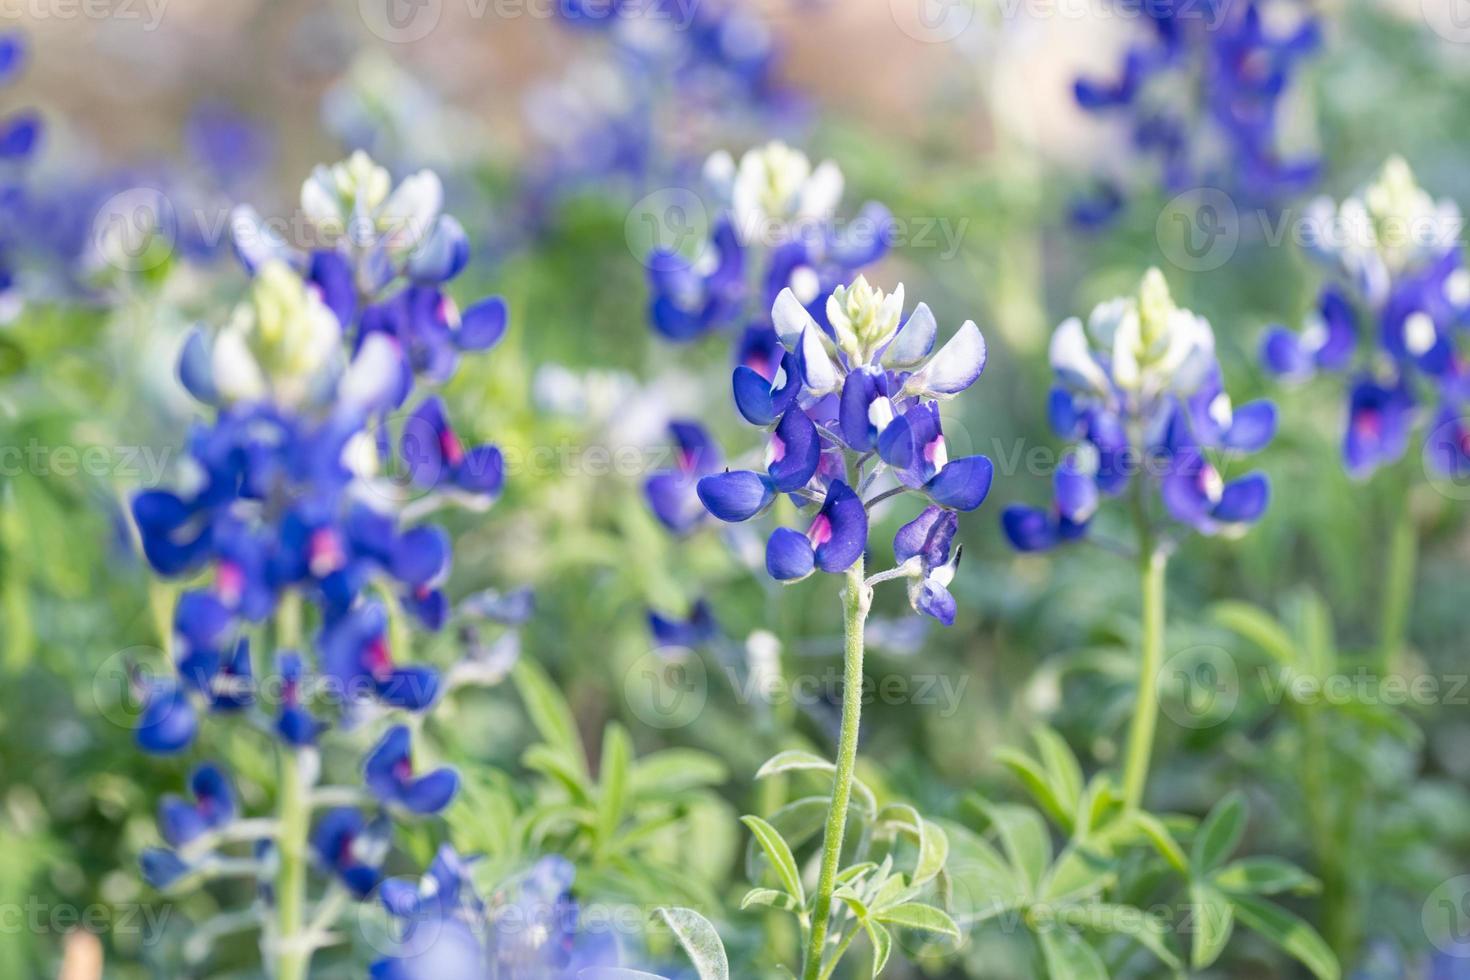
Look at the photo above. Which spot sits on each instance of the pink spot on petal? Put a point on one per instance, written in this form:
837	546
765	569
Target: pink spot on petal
229	582
821	531
450	447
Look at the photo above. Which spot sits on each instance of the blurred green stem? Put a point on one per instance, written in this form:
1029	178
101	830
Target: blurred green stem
1327	843
1398	585
856	598
1146	708
293	951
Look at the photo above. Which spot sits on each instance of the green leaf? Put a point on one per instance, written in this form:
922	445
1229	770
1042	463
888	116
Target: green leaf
1147	930
931	839
1289	932
795	760
549	712
1078	874
1023	837
1319	645
1037	783
770	898
1212	925
1068	955
1264	876
1062	766
701	942
673	771
612	776
882	941
1259	627
853	901
916	915
779	854
1219	835
554	763
1153	828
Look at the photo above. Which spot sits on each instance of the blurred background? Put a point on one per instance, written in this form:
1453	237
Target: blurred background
562	144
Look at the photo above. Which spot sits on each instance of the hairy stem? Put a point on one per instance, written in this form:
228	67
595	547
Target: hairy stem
1146	707
856	599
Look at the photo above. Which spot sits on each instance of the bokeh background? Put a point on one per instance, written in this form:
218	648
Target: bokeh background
961	118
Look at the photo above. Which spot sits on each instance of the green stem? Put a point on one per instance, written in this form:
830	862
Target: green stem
1326	844
1398	588
293	951
1146	708
856	600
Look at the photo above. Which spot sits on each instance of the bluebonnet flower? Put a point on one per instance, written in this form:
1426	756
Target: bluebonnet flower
1140	395
1202	95
696	629
352	848
389	773
671	493
285	520
1393	322
776	230
214	805
860	406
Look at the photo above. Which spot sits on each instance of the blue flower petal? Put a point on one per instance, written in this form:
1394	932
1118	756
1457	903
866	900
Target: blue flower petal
797	449
1243	500
839	533
737	495
482	325
789	555
1029	528
963	483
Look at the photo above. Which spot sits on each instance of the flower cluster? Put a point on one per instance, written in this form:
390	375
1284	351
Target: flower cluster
1203	96
1396	320
294	520
1139	392
853	405
776	229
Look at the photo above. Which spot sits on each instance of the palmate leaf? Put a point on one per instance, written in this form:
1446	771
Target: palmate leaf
1147	930
797	822
1023	837
1153	830
1289	932
700	941
558	766
1078	874
779	854
1054	780
984	883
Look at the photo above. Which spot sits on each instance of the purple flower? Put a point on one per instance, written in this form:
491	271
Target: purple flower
182	821
169	720
923	546
356	654
351	849
698	628
835	539
388	772
671	493
1380	419
437	460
